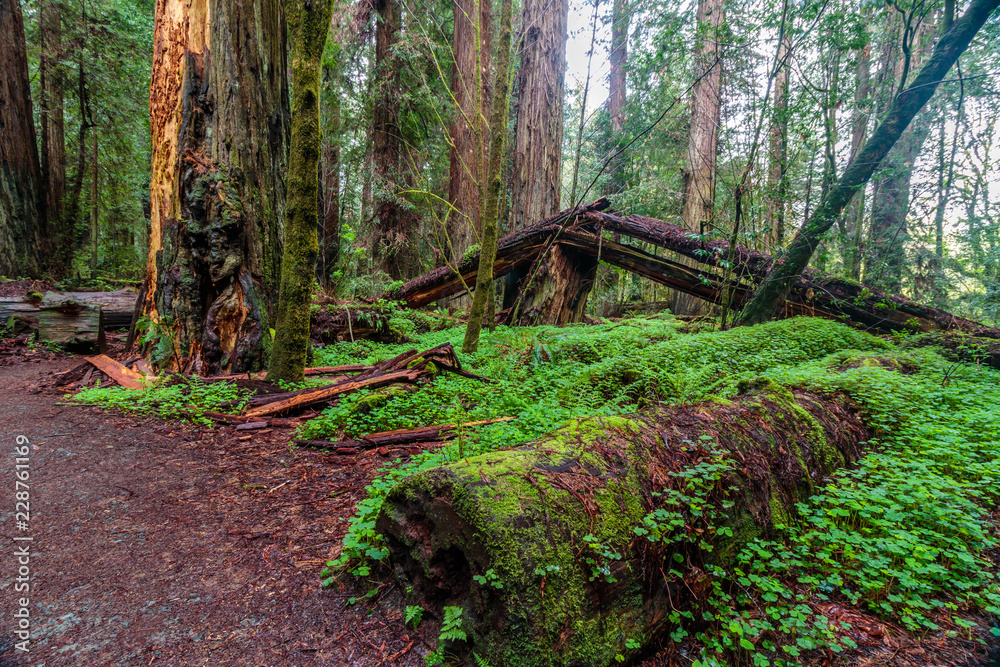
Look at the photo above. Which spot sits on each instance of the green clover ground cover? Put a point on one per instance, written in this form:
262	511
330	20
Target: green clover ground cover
905	534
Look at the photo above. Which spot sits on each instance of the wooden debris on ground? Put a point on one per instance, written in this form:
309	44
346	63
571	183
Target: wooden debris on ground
121	374
104	371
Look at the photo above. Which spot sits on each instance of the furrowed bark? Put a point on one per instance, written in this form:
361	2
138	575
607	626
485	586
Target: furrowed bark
220	125
530	516
309	24
470	133
53	142
21	204
699	171
772	293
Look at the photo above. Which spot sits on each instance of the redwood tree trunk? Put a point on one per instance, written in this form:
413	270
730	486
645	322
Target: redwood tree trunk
394	244
53	141
21	212
469	131
537	149
892	203
859	130
699	172
777	182
537	153
220	129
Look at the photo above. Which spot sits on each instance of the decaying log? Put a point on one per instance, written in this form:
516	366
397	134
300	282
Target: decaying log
116	307
813	294
438	433
526	521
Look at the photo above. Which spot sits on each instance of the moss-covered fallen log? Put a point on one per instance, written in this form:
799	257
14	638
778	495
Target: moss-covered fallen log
538	545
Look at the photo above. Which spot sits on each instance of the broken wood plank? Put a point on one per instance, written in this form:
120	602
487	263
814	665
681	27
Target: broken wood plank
125	377
312	396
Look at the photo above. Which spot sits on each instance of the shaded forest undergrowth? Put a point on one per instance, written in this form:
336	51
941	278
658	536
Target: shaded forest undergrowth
901	547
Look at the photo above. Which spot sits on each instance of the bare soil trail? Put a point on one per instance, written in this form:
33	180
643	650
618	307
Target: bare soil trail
158	543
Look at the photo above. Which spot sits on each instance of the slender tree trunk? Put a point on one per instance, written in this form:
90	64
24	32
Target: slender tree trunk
53	142
494	181
859	129
888	229
329	197
68	239
220	125
699	172
469	133
331	204
21	210
309	25
772	292
777	181
94	240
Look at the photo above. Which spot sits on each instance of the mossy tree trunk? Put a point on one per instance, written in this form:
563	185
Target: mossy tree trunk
494	181
220	125
21	210
548	527
771	294
309	25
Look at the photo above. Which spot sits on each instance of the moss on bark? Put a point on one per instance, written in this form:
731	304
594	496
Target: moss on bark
554	520
309	24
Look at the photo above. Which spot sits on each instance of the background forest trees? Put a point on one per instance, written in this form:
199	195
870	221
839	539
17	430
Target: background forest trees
682	106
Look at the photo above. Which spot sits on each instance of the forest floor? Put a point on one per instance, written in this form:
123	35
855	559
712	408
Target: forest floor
159	542
162	543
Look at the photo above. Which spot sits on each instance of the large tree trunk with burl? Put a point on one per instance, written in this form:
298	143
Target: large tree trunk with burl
220	130
21	210
548	527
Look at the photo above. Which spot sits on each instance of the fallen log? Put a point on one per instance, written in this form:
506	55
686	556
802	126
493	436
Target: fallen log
313	396
116	306
401	436
814	293
548	528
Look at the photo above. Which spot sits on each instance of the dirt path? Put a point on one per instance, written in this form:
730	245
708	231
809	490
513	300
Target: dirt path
155	544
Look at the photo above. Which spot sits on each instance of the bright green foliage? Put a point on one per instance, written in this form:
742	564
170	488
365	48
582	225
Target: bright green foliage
546	376
188	399
413	615
905	534
451	631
